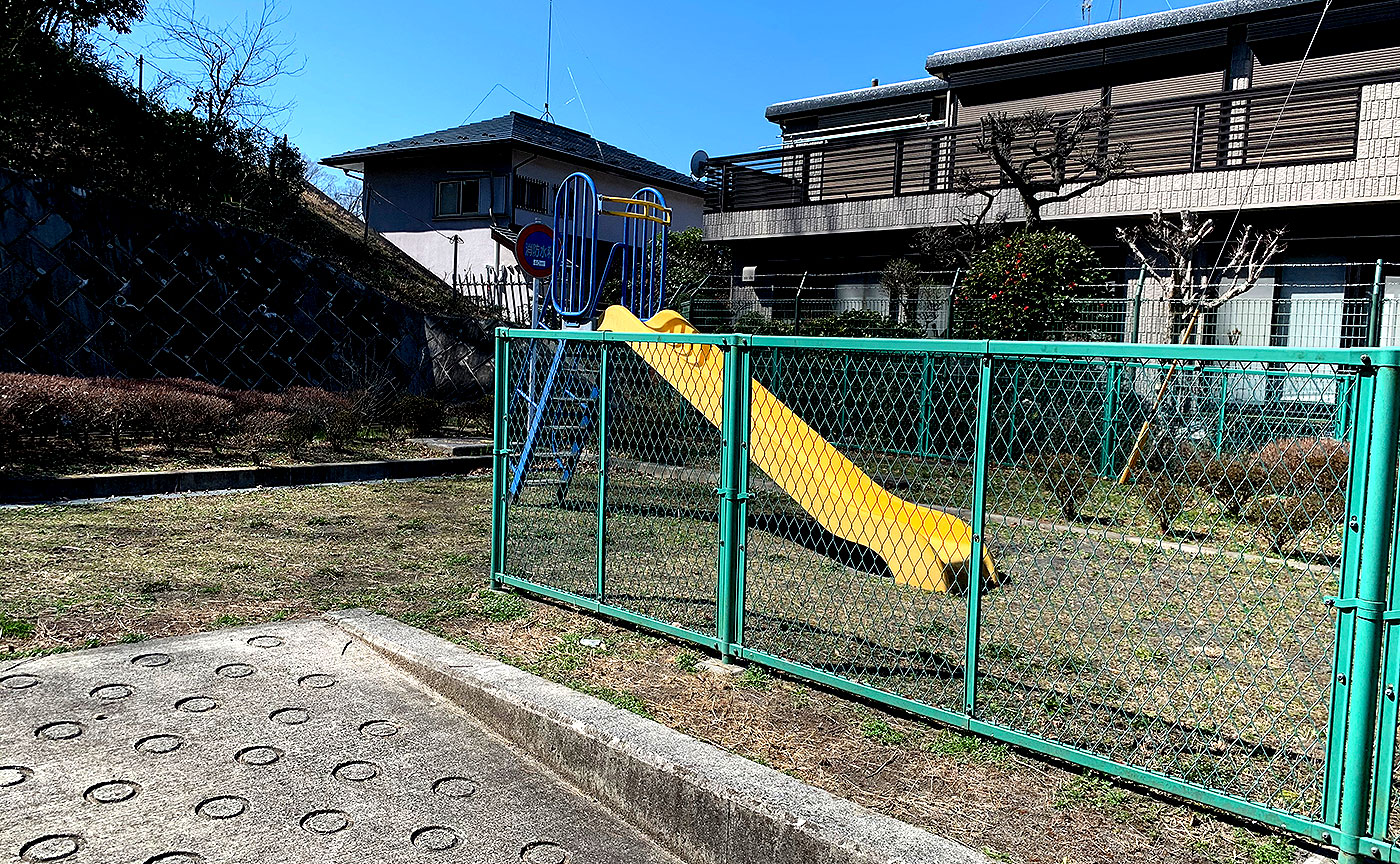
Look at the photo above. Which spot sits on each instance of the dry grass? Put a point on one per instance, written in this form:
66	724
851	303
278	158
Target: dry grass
60	458
75	576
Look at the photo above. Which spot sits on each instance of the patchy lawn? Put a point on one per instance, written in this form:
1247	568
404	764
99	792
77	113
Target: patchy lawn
86	575
57	458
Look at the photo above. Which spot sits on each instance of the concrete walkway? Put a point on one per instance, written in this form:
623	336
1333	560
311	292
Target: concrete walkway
282	743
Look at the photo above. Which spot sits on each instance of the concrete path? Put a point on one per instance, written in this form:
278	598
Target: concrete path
290	742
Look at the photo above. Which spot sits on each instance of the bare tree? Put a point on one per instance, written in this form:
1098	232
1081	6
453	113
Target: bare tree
1176	243
236	61
342	189
1047	158
957	245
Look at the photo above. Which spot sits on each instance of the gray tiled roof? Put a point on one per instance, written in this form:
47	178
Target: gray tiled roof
1126	27
916	87
568	143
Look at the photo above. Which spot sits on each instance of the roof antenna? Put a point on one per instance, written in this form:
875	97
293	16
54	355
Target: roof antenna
1087	10
548	62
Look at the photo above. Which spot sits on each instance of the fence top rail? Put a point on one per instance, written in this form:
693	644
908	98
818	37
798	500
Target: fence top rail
1389	357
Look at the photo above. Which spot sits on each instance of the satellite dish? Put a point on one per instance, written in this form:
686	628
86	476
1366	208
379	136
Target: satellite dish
698	163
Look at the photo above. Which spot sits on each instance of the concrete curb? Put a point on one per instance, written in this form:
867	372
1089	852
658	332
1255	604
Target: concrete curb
47	490
702	803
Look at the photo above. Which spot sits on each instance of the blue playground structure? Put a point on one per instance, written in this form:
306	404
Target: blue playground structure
563	400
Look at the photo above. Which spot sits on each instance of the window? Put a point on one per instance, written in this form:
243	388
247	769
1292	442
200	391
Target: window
459	198
532	195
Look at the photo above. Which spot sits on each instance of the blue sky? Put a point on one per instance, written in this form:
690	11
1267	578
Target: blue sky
660	78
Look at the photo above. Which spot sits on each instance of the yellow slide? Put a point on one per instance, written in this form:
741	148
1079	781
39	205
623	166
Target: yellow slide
923	547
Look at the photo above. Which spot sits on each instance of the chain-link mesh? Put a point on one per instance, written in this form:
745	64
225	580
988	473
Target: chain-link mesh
663	473
1153	594
552	483
95	287
908	423
1175	623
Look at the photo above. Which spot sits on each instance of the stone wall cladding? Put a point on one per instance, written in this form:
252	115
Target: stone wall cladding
1373	176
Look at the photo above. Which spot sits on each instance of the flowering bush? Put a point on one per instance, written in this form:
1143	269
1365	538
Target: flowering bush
1021	286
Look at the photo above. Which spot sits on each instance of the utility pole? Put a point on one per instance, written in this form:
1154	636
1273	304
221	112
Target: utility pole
141	79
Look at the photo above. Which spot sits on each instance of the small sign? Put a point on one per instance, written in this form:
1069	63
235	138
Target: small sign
534	250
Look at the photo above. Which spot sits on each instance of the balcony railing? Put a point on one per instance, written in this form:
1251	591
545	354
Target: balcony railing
1320	122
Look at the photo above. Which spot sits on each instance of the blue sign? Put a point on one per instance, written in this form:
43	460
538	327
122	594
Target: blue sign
534	250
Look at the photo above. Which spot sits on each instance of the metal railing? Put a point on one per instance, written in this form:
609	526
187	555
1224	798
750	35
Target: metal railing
1326	306
1320	123
1219	627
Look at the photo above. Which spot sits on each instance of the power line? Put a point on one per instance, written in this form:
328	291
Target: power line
1254	177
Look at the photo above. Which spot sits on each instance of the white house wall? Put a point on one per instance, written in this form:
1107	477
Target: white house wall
406	219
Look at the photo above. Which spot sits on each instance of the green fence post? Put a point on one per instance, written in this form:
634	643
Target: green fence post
500	451
1373	530
733	468
981	469
602	470
1220	416
1375	320
1137	306
1107	445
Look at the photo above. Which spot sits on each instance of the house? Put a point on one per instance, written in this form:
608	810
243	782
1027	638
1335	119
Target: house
1211	100
454	200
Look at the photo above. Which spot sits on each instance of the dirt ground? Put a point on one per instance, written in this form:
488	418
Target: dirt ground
72	577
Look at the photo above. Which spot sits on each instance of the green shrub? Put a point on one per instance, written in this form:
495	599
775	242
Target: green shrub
857	322
1021	287
758	324
1067	478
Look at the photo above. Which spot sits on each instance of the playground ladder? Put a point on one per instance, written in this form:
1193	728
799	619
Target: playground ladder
562	416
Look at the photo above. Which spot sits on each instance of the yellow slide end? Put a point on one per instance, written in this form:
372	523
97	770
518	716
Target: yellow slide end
924	548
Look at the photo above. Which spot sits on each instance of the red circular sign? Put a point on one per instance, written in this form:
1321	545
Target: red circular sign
534	250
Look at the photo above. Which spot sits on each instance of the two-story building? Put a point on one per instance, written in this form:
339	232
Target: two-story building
455	199
1218	110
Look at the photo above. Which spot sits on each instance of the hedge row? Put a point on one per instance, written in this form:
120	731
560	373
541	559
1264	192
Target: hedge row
179	412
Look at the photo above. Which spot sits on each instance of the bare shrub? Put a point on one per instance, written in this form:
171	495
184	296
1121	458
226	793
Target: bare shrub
1282	518
1067	478
179	415
1164	499
326	413
1309	468
1234	481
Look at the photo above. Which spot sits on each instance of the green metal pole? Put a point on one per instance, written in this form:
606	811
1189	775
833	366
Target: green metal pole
925	448
1375	320
730	528
981	470
1375	531
602	471
1110	412
743	428
500	452
1220	416
1137	306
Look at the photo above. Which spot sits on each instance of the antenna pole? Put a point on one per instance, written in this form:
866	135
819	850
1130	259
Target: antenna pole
548	61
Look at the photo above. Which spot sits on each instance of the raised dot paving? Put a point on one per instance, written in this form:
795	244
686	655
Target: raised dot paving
286	742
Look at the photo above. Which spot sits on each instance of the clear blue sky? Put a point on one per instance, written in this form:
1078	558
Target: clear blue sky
660	78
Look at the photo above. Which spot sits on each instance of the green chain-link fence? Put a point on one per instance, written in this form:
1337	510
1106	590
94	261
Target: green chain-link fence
1214	627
